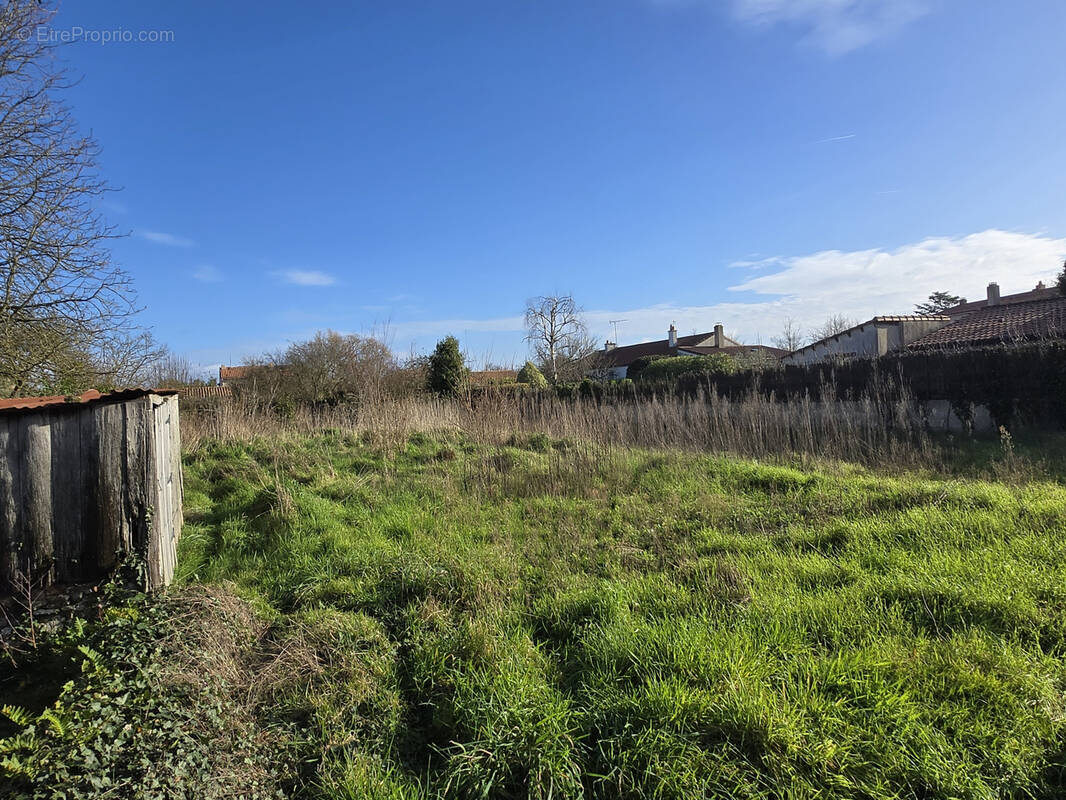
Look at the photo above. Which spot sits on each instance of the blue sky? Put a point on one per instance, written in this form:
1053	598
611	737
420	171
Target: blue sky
428	166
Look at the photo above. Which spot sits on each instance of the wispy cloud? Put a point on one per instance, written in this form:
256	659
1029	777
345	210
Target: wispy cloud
809	288
440	327
303	277
168	239
834	26
205	273
845	137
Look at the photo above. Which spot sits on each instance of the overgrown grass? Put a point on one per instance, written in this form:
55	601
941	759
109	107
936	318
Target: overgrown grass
552	618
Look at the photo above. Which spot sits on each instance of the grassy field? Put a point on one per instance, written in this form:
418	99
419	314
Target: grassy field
551	619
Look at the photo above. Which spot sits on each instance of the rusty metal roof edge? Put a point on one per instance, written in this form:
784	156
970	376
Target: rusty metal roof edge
84	400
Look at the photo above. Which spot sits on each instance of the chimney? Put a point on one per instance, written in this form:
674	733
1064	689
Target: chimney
673	336
993	294
719	335
608	346
1040	286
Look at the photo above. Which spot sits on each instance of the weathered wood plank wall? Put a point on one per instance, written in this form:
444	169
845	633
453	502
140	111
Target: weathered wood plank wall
83	485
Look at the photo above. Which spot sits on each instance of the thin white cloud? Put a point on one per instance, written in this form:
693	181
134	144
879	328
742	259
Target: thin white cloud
205	273
859	284
441	327
168	239
845	137
305	277
834	26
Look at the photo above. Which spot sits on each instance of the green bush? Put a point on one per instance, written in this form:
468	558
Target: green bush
641	364
447	370
668	369
533	376
589	389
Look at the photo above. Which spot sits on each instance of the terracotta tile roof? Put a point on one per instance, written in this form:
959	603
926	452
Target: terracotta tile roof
1012	322
627	354
90	397
737	350
490	376
1045	293
201	392
908	318
233	373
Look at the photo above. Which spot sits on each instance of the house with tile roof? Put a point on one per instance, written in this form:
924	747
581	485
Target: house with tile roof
613	361
993	298
228	375
1023	317
1039	313
875	337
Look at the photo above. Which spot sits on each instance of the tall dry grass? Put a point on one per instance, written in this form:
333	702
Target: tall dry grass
870	431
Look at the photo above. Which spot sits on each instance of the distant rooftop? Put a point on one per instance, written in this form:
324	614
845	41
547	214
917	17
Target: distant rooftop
1014	321
1040	292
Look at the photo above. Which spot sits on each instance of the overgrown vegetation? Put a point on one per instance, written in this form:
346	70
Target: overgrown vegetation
150	700
670	369
552	618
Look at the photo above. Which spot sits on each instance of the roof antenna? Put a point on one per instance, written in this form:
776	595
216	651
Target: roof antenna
615	323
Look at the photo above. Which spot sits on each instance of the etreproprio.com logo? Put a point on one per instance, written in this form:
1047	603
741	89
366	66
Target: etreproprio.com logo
49	35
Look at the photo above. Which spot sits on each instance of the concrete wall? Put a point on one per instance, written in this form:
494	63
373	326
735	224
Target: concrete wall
873	338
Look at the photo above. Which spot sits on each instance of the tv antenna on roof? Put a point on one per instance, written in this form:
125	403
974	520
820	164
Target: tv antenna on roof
615	323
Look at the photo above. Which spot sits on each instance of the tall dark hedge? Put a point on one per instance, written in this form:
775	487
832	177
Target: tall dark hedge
1027	380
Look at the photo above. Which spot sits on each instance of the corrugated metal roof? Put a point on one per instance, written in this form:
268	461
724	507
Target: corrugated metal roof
91	397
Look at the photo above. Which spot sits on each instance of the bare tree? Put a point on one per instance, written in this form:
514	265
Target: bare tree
558	334
66	312
834	324
171	371
791	336
329	368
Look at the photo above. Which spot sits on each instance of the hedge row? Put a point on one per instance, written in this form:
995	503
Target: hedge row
1011	380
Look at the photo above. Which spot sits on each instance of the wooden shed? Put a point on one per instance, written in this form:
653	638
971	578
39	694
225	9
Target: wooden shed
86	480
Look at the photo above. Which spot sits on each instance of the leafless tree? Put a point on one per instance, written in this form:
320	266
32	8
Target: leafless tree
791	336
329	368
834	324
171	371
67	314
558	334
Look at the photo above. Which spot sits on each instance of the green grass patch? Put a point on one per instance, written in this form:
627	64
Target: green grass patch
548	619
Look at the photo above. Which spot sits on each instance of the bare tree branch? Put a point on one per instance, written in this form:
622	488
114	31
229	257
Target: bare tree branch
557	334
67	314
